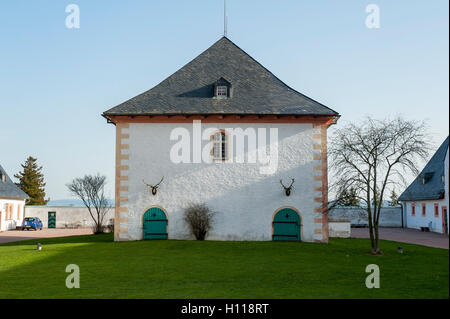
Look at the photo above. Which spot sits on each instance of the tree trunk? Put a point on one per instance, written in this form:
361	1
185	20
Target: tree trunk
377	241
371	233
377	234
369	219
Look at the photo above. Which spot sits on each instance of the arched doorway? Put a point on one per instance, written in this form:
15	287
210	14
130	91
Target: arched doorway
154	224
286	225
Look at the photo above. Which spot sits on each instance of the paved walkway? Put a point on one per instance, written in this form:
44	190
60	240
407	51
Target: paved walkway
17	235
406	235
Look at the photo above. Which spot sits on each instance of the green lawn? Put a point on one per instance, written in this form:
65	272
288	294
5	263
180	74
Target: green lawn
211	269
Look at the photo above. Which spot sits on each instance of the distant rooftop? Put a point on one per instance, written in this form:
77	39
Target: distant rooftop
70	203
362	205
7	187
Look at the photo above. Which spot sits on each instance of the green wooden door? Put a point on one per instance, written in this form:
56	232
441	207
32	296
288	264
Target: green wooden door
51	219
286	225
155	224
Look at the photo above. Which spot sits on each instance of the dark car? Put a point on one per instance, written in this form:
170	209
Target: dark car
31	223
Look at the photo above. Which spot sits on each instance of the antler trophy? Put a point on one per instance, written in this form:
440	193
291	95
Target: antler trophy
154	188
288	188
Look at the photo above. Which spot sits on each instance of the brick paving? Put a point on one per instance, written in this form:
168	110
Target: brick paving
406	235
18	235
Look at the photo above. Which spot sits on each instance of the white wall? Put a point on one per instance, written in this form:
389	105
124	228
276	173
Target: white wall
65	215
389	216
418	220
15	221
243	198
339	228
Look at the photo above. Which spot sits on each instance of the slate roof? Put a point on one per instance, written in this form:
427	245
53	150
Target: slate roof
190	90
433	172
9	189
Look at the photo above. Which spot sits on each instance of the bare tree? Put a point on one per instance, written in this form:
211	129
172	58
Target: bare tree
91	190
372	156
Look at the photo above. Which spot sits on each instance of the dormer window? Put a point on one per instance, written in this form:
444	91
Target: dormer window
2	177
426	177
222	89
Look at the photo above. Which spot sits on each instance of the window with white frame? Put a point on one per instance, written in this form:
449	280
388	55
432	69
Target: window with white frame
220	146
222	91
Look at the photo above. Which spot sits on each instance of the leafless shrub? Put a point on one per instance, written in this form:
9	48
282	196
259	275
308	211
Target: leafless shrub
199	219
91	190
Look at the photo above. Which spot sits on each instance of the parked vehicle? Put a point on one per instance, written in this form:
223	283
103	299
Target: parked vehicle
31	223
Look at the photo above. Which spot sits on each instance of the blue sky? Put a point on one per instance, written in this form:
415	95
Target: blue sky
55	82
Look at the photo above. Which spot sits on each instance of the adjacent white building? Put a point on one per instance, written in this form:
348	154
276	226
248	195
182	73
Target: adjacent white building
222	131
12	203
425	201
65	216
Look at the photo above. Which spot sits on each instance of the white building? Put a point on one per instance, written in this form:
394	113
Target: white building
425	201
195	130
12	203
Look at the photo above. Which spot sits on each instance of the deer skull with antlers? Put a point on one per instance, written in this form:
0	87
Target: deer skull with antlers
154	188
288	188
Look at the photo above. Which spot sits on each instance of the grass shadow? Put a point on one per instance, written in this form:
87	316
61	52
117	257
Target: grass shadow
99	238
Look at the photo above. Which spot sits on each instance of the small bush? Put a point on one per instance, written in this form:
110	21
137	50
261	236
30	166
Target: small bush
199	219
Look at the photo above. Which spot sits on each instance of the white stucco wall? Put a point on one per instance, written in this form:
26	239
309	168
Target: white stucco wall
65	215
418	220
16	220
358	216
244	199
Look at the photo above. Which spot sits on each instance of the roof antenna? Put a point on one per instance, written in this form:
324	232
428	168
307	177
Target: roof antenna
224	18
